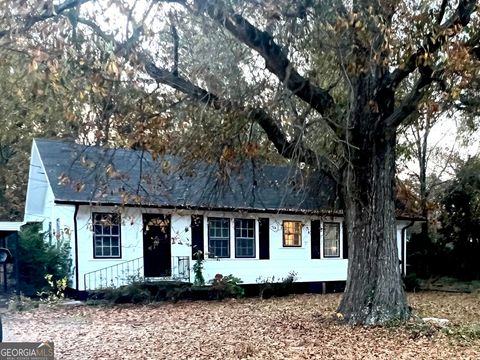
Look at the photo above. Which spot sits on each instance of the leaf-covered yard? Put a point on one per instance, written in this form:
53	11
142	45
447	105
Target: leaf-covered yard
295	327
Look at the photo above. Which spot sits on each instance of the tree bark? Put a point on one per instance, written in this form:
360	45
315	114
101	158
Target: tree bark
374	293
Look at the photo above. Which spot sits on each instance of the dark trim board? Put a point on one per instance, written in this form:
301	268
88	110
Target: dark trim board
264	238
196	226
315	240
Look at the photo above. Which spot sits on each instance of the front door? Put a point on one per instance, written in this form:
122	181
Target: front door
157	247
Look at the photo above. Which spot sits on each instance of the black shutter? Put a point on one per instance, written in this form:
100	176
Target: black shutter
345	241
264	238
197	235
315	239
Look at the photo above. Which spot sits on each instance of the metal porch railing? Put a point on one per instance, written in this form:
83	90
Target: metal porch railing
115	275
129	271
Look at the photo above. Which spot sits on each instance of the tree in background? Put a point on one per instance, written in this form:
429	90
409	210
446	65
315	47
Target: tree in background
427	160
461	221
326	84
49	89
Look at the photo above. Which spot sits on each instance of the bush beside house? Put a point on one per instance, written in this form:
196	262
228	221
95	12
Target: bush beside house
38	258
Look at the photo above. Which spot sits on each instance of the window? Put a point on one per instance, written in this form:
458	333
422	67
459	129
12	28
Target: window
292	233
106	235
244	238
219	237
331	240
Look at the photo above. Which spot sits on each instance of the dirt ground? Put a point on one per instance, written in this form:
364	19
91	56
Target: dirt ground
295	327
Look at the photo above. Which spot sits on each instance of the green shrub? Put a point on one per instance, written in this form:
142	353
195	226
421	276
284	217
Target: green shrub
227	287
36	259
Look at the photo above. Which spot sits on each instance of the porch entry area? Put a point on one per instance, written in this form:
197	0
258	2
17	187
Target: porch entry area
157	245
157	263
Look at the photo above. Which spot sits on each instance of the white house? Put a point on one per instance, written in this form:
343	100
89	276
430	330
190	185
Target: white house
126	214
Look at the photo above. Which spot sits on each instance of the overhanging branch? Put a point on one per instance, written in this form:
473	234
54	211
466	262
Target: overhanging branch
433	42
48	14
410	102
276	60
289	149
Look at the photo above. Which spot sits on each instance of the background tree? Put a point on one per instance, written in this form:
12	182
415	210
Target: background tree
50	88
461	221
427	160
325	83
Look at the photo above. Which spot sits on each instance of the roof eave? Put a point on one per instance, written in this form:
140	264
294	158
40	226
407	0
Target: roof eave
322	212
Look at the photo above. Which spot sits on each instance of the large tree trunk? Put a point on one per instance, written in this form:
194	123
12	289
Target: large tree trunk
374	293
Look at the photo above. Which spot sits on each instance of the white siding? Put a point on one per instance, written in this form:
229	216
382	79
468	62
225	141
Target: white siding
131	240
39	202
283	260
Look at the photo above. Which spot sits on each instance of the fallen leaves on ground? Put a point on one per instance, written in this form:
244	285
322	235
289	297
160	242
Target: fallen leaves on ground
295	327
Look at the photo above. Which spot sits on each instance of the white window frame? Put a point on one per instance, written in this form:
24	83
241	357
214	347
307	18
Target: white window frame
340	238
300	233
106	223
253	228
217	238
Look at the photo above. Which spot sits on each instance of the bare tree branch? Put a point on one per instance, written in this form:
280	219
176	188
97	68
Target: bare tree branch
175	49
48	14
290	149
276	60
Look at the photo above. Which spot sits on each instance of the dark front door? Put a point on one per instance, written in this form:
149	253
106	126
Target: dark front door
157	247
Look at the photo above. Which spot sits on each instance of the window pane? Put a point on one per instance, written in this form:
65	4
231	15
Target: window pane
98	251
219	237
98	241
245	247
106	234
98	229
106	251
107	241
245	238
331	240
219	248
292	233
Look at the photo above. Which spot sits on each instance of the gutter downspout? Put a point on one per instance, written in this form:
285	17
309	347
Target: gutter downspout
404	245
75	231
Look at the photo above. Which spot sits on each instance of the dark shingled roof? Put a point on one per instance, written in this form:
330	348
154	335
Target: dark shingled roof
97	175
